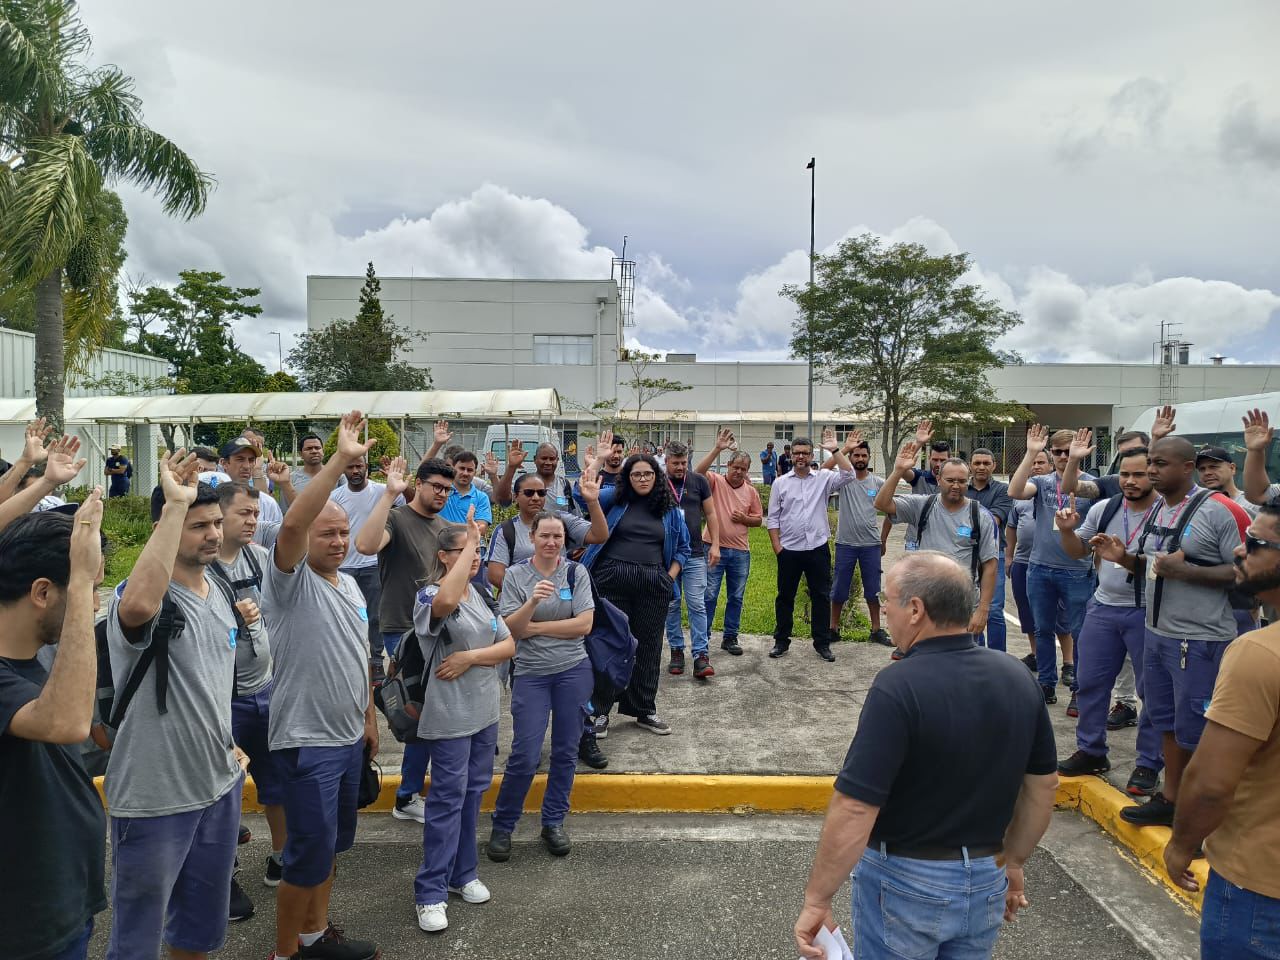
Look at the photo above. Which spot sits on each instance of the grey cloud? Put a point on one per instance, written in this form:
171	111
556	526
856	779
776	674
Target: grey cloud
1247	137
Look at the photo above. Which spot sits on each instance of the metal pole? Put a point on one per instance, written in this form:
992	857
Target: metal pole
279	351
813	174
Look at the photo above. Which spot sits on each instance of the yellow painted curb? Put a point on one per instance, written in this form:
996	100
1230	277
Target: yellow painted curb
1100	802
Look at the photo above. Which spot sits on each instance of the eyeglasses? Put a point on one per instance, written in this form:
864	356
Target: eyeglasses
533	493
454	550
1253	544
438	487
642	474
1060	453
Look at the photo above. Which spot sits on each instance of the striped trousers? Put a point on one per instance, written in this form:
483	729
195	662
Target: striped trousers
643	593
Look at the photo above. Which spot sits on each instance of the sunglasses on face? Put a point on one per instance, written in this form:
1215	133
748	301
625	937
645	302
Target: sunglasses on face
1253	544
1060	453
533	493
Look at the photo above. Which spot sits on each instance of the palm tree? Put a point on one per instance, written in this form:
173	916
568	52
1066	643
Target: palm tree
67	133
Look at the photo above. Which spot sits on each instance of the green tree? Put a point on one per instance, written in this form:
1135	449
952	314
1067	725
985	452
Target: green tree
67	132
902	335
360	354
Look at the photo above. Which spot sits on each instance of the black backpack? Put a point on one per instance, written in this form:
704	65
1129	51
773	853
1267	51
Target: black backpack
168	628
222	575
975	533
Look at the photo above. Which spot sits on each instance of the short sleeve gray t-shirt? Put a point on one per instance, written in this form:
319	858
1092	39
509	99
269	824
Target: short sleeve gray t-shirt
1047	550
1115	583
950	532
180	760
537	655
575	535
858	524
268	509
253	652
1192	611
320	648
1025	530
358	505
471	702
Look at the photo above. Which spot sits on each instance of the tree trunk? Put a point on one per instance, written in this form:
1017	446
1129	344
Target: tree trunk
51	381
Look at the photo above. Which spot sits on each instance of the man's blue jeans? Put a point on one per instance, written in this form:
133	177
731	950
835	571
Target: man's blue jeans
1238	924
736	566
996	635
692	583
926	908
1046	587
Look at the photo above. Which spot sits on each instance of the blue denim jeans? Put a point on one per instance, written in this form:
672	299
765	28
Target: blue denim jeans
77	949
692	584
736	566
996	634
1238	924
926	908
1046	588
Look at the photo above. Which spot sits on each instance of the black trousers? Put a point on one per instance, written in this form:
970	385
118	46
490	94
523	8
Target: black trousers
643	593
815	566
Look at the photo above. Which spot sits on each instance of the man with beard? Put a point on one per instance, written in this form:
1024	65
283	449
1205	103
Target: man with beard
692	493
546	461
1228	798
994	495
1115	622
312	451
1218	472
858	545
358	497
1185	553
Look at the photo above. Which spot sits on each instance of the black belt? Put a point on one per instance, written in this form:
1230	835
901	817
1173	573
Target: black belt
936	853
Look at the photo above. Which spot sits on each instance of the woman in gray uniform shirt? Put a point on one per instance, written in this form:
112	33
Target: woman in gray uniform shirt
463	641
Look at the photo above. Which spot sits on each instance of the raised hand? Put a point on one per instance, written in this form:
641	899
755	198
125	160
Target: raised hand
907	457
86	538
589	458
179	477
277	470
589	486
516	454
384	462
1257	430
441	433
350	447
1163	425
33	449
1081	444
725	440
851	442
1107	547
473	529
829	442
924	432
606	440
1067	517
635	450
61	464
1037	438
397	484
490	467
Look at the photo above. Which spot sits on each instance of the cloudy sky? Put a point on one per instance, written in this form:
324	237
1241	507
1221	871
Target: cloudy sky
1106	165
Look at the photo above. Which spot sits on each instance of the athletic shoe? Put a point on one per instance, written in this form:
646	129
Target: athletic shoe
601	726
676	666
432	917
410	808
1122	715
556	840
334	945
779	649
498	849
654	724
824	651
1050	695
1156	812
245	836
730	645
274	873
1068	674
377	672
1081	764
1073	710
1142	782
241	905
589	752
702	667
881	637
1030	661
473	892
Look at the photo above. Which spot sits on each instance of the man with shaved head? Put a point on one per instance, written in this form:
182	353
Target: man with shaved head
1185	554
321	710
937	802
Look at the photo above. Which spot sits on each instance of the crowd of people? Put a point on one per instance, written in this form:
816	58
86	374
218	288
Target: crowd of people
270	603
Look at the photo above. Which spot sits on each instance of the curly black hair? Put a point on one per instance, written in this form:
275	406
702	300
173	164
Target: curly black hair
659	500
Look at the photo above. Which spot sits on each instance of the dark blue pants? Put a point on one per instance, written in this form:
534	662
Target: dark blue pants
250	720
996	634
77	949
1238	924
1047	587
1108	634
461	771
321	788
534	700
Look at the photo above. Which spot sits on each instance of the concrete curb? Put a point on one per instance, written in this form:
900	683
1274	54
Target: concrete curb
715	793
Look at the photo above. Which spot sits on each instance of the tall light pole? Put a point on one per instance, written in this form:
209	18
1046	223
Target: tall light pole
812	167
280	346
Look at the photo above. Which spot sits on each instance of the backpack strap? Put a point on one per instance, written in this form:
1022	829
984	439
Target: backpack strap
1174	537
169	623
924	517
1113	506
509	535
1109	512
975	535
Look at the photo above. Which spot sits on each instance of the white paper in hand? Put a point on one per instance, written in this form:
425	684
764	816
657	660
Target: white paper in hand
833	942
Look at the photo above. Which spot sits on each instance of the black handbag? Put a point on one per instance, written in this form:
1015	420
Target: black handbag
370	781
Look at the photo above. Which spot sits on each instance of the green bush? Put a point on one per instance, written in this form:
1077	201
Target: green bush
388	444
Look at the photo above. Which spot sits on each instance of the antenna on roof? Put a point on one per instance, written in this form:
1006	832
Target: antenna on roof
624	272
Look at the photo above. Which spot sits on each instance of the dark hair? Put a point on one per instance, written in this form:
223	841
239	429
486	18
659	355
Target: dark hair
863	445
659	499
982	452
310	436
452	535
521	480
677	449
35	546
205	495
801	442
940	446
451	452
1270	509
433	468
617	442
465	456
546	515
206	453
1135	452
227	492
1133	435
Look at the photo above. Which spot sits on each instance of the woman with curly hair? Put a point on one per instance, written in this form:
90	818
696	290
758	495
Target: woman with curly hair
635	569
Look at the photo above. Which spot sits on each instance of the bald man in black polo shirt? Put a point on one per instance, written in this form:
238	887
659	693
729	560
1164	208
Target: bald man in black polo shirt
938	805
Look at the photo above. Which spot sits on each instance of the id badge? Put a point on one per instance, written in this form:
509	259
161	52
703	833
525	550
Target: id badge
1055	523
566	593
912	546
562	501
870	493
493	625
965	531
1151	567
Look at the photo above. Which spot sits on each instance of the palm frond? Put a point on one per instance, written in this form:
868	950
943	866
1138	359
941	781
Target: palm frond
106	97
137	153
46	213
88	318
41	42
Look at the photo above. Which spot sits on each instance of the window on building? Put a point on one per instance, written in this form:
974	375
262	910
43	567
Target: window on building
563	350
784	431
844	429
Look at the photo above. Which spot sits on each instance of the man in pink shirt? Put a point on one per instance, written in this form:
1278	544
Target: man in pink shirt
736	503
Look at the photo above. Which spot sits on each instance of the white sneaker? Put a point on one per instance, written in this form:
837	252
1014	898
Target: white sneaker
473	892
414	809
432	917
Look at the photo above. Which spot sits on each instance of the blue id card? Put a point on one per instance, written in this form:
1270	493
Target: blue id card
364	614
566	593
965	531
562	501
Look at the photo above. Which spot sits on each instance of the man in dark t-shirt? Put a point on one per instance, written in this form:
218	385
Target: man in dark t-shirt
693	492
932	791
54	839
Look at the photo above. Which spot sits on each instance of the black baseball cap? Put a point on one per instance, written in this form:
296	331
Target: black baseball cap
232	447
205	453
1213	453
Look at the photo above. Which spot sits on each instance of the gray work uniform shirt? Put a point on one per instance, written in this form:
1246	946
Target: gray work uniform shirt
949	531
857	524
253	652
538	655
1049	499
1115	583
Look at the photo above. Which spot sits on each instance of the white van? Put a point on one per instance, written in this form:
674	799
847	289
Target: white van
498	436
1217	423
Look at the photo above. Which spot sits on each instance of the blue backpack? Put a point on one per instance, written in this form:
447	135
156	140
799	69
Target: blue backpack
610	646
